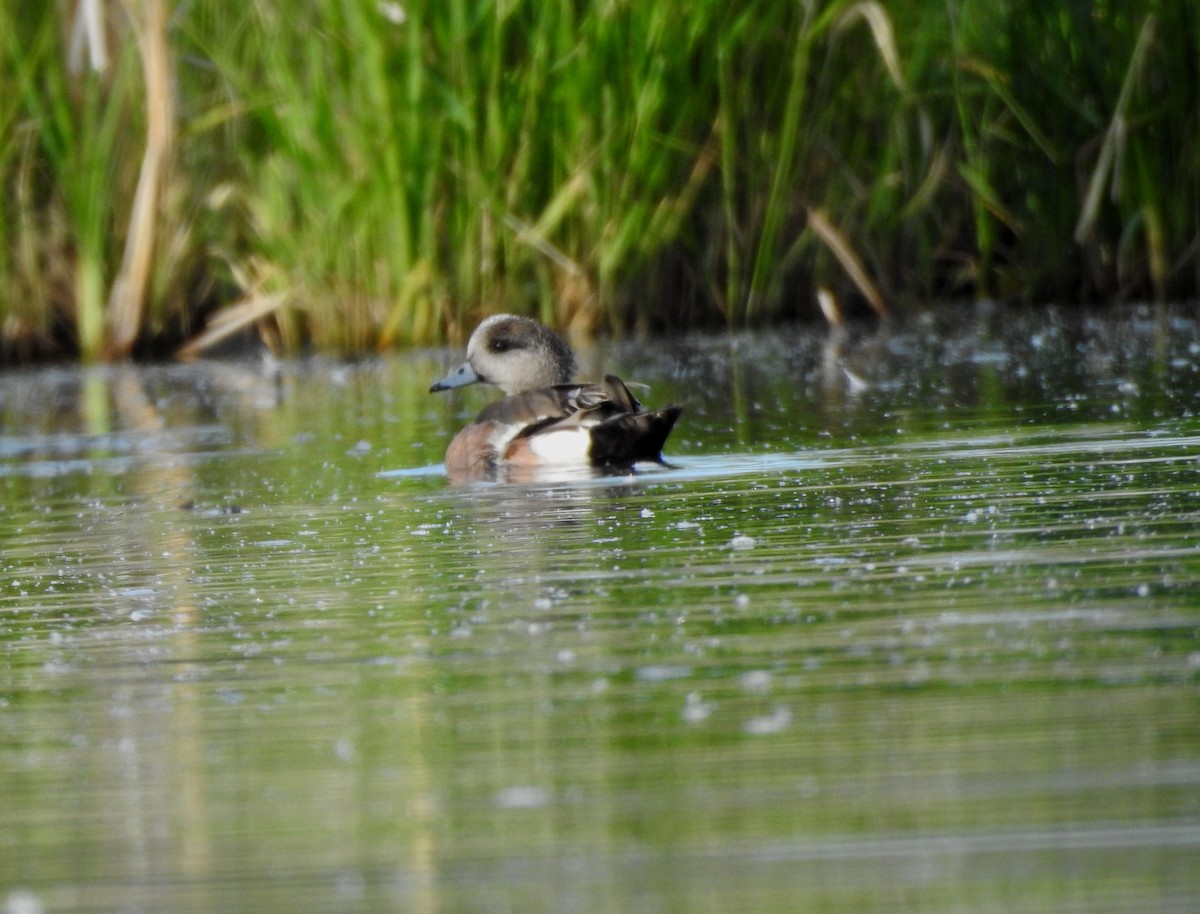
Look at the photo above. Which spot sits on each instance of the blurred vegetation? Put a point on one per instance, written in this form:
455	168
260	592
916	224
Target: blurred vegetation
358	175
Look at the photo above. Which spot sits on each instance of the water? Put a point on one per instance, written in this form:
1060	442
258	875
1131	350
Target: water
911	623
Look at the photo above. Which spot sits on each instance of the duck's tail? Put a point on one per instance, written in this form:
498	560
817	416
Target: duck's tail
631	437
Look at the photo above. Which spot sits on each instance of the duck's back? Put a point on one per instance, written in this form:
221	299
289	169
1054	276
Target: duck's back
597	424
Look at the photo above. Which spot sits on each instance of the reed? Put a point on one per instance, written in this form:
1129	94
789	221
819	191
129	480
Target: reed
62	143
370	174
99	254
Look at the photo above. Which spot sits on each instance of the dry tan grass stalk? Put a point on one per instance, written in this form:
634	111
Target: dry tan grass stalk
884	36
848	258
229	321
127	298
830	306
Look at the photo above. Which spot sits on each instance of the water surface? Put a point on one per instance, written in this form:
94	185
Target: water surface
910	623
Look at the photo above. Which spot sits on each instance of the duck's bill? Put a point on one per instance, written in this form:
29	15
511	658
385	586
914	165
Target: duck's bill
461	376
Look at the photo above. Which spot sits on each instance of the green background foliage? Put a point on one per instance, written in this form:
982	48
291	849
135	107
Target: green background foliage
361	175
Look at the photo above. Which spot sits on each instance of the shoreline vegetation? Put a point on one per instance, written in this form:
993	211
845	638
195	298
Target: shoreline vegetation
356	176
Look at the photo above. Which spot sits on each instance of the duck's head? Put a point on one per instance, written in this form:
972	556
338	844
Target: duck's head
516	354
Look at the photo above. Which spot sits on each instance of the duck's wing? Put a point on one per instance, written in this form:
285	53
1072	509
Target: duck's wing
614	429
536	408
600	422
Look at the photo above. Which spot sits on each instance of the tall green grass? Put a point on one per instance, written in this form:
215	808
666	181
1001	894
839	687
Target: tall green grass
59	156
97	250
365	174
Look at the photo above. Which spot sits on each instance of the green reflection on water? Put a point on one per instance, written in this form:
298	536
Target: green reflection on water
928	644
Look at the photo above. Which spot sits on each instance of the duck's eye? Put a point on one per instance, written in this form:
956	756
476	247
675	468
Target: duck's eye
502	344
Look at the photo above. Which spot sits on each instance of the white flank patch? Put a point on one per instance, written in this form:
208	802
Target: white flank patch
566	446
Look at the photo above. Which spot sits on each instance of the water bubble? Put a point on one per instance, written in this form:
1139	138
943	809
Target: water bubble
778	720
20	901
696	709
755	680
522	796
663	672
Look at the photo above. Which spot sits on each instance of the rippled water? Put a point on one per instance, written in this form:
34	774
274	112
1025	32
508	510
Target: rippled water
910	623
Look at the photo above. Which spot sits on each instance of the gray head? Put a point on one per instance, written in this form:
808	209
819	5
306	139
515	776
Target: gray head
513	353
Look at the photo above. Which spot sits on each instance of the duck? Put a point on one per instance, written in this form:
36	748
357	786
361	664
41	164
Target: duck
545	419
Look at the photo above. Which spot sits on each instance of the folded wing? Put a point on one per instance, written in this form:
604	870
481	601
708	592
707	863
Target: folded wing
602	423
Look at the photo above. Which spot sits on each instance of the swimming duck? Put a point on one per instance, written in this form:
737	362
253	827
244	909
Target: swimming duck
545	420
